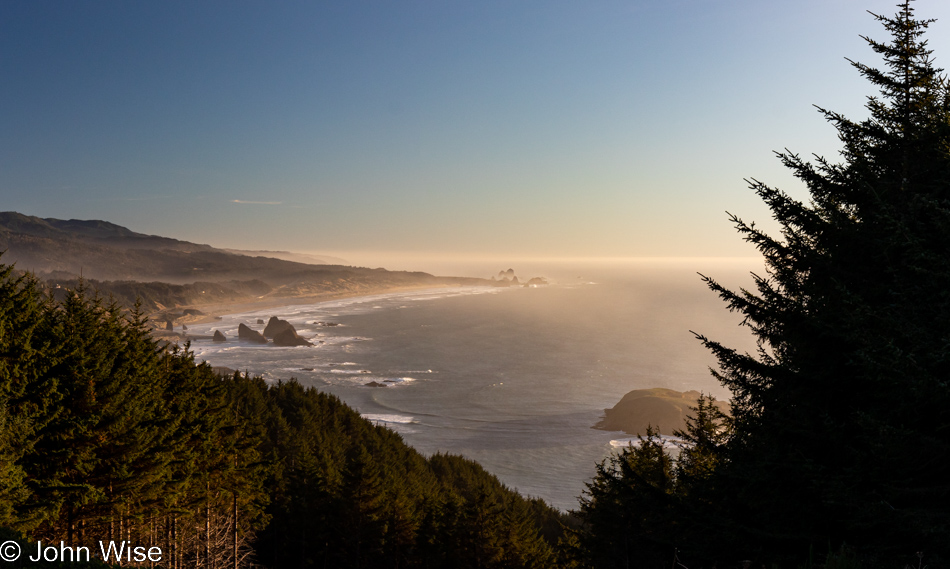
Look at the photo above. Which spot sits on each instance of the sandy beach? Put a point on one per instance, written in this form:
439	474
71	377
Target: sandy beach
211	312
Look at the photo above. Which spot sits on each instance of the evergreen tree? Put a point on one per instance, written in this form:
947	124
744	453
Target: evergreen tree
841	417
28	397
626	509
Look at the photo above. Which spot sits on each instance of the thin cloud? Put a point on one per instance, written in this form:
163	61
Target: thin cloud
256	203
145	198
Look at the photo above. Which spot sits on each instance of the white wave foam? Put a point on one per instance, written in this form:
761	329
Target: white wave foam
399	380
387	418
669	443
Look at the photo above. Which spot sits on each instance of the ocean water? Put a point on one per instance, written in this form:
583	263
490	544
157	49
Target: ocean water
511	377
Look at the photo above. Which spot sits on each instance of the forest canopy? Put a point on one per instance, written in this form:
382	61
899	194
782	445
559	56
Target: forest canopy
106	434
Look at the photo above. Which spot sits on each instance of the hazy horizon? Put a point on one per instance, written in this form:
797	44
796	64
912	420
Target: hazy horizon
532	129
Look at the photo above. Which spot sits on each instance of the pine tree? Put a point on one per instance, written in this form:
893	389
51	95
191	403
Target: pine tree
841	417
28	398
626	508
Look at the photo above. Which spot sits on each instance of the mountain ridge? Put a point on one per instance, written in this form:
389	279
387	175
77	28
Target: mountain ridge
168	272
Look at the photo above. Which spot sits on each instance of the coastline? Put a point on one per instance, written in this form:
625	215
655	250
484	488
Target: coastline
214	311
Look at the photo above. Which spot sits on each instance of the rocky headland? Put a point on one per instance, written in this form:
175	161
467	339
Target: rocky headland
665	409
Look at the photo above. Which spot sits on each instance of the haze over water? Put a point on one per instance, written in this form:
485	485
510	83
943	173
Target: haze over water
514	377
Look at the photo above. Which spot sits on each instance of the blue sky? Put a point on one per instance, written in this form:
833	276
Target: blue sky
494	129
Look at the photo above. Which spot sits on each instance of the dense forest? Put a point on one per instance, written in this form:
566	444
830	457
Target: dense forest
107	435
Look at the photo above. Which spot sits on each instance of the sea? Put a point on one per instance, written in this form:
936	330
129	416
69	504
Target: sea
514	378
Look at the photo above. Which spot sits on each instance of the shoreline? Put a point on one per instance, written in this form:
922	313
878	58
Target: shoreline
214	311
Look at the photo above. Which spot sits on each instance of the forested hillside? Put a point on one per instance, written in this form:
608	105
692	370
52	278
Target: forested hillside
104	435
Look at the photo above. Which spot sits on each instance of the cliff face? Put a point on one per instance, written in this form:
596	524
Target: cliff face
663	408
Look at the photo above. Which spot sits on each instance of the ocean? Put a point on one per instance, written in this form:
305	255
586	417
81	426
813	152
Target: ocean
511	377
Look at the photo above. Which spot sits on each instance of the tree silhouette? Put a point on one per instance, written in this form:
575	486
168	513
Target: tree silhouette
842	416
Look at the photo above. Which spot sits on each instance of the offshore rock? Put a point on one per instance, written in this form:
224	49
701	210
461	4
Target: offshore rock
288	337
275	326
219	337
248	335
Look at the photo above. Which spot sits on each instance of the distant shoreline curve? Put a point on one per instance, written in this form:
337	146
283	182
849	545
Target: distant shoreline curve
212	311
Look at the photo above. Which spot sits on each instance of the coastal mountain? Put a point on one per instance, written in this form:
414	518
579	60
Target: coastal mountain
170	272
105	251
291	256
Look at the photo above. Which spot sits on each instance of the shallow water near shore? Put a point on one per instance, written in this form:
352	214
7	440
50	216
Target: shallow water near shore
511	377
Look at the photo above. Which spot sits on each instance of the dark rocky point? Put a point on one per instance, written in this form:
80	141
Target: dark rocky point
219	337
664	409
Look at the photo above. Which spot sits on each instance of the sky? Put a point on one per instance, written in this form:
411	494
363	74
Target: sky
523	128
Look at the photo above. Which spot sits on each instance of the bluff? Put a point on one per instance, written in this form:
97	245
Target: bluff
665	409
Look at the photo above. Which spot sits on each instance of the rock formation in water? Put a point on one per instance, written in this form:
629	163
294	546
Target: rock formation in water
288	337
665	409
219	337
276	326
248	335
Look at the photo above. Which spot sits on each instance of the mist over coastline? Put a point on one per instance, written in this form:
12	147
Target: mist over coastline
514	378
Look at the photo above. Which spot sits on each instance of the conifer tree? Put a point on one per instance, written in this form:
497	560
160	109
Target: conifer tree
626	507
840	418
28	398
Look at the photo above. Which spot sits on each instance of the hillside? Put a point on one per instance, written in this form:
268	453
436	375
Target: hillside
223	471
167	272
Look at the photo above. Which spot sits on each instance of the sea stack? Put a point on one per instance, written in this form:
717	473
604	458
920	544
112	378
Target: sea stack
275	326
219	337
248	335
288	337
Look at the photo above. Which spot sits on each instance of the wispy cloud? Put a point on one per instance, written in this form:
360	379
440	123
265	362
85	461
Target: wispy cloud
256	203
145	198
